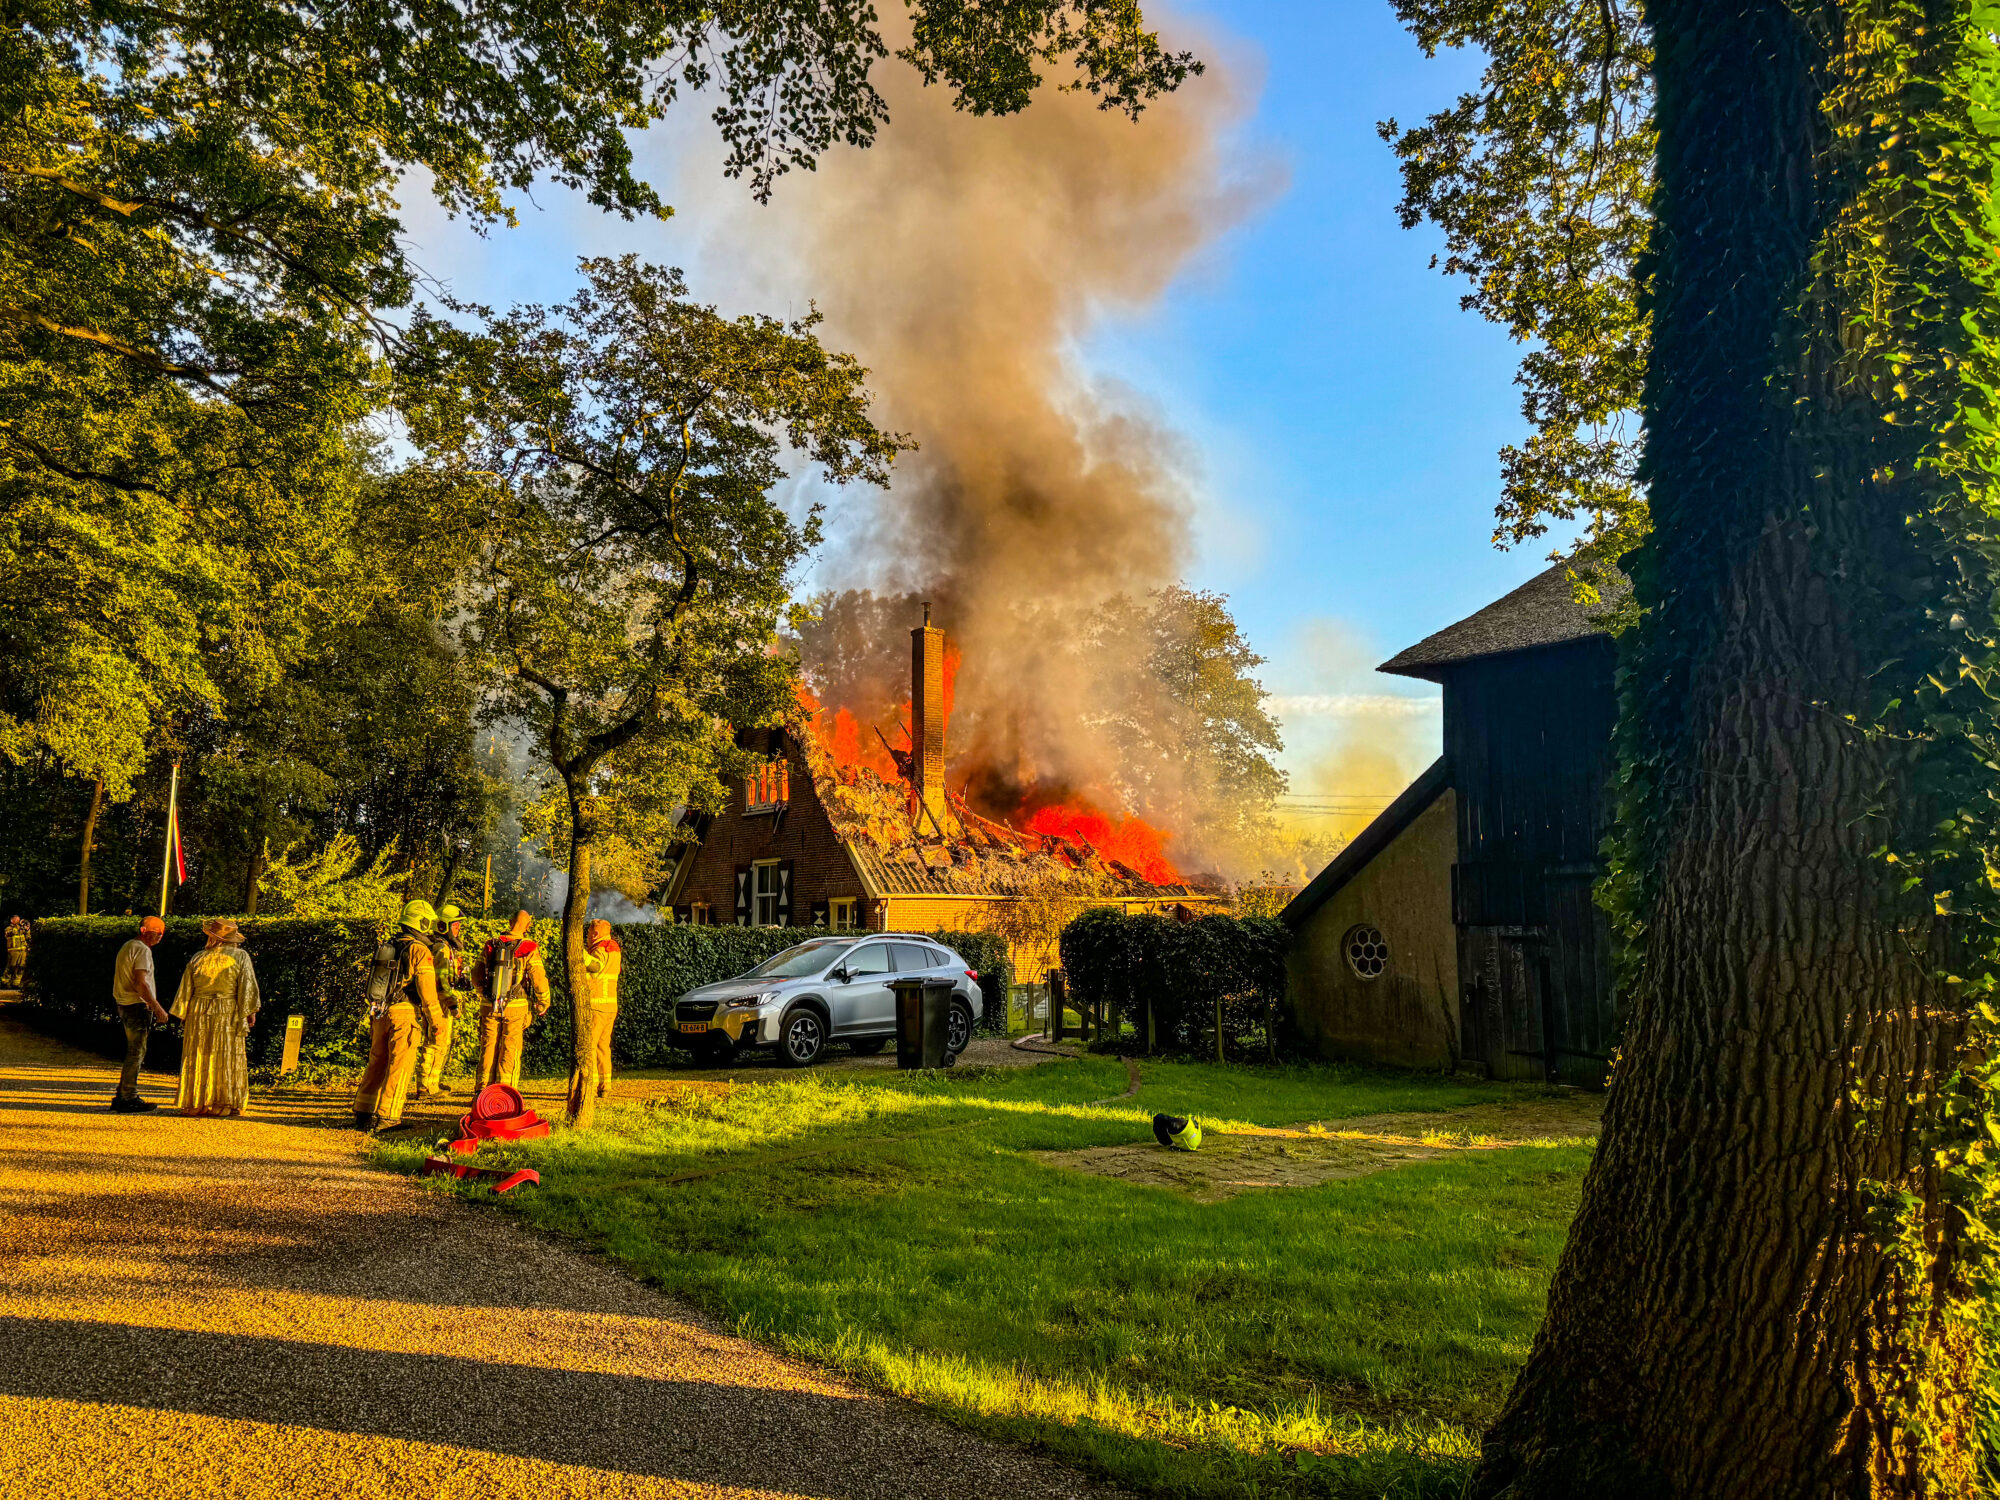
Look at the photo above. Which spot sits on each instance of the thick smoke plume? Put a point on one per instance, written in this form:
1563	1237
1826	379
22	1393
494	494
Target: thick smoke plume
964	260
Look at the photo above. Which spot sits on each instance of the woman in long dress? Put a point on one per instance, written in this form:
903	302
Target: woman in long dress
217	1005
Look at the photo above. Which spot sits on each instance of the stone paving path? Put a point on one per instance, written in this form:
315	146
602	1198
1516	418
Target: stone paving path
242	1308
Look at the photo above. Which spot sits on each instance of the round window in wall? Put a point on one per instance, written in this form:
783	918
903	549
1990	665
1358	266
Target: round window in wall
1367	951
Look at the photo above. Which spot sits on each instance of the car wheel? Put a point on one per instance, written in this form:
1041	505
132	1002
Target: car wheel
868	1046
958	1030
801	1037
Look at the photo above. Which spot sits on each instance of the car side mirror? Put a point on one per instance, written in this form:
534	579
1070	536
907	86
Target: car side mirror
841	974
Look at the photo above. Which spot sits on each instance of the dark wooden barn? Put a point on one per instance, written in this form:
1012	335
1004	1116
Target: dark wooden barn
1528	712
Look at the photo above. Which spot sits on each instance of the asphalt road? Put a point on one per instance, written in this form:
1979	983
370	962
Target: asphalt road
242	1308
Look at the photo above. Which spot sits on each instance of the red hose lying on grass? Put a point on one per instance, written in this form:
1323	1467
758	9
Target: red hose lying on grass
498	1114
441	1166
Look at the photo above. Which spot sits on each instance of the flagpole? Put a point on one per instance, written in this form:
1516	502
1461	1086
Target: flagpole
167	859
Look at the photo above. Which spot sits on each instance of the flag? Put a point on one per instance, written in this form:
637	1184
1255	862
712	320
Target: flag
174	839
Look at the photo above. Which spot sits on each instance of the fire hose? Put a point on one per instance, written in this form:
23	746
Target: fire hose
498	1114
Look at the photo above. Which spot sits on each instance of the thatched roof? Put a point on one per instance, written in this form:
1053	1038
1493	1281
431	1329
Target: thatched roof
1541	612
975	856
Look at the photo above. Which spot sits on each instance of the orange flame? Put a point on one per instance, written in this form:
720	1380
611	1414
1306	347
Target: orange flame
844	739
1130	841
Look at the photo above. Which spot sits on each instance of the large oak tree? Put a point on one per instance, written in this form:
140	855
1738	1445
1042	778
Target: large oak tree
1778	1277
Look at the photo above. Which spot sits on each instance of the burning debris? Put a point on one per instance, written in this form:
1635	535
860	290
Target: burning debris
910	822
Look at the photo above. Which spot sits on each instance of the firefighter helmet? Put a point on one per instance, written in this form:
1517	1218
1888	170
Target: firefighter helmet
448	914
418	916
1177	1133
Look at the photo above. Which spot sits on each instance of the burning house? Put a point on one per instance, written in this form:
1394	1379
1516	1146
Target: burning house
820	837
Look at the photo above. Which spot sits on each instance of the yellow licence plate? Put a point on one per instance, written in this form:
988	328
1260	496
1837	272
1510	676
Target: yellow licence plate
692	1026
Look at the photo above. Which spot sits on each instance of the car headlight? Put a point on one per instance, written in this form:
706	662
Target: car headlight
754	1000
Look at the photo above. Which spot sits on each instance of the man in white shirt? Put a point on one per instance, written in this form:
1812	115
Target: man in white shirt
137	998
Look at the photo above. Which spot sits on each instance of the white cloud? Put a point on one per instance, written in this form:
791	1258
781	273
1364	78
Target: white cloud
1351	705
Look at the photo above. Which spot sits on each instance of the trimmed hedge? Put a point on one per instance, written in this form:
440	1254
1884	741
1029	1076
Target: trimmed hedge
318	969
1178	969
314	967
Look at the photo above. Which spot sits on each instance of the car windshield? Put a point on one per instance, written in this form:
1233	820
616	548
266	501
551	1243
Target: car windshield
798	962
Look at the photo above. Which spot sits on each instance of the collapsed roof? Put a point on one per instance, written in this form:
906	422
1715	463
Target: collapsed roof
899	849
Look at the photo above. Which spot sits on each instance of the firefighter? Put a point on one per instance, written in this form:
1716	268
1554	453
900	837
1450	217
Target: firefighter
453	983
602	958
17	951
406	1013
506	970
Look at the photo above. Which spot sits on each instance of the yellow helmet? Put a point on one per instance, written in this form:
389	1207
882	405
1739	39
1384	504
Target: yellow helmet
418	916
449	914
1176	1133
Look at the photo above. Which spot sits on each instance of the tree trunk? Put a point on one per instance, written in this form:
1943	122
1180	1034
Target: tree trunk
1733	1314
576	911
89	845
259	849
454	855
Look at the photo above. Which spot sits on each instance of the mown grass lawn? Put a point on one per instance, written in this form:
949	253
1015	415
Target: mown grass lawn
1347	1339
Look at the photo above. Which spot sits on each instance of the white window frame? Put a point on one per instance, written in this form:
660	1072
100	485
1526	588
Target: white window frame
843	914
764	893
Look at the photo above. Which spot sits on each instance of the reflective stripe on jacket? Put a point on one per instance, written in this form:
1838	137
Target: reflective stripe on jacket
601	966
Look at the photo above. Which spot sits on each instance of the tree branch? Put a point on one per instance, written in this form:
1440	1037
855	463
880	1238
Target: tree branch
159	364
55	465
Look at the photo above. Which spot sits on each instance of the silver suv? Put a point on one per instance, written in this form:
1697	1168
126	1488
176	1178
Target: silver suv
824	990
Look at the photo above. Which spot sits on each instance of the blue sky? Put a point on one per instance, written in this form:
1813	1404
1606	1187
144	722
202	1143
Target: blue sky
1343	413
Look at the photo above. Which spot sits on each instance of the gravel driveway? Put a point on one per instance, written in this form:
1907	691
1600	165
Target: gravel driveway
242	1308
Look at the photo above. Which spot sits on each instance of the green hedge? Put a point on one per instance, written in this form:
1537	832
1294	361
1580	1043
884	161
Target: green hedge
314	967
318	969
1178	969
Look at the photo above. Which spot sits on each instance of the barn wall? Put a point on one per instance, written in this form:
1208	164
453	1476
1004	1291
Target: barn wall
1408	1015
802	833
1528	738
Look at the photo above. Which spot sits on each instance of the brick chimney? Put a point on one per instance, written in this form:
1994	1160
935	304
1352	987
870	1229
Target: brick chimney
927	725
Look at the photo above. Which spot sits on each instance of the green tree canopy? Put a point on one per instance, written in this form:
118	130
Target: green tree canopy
1541	181
201	257
1188	722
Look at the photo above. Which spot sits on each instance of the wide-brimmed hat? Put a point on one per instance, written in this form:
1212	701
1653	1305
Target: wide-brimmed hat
221	930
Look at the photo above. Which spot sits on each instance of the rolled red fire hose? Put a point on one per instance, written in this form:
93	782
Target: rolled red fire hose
498	1114
499	1101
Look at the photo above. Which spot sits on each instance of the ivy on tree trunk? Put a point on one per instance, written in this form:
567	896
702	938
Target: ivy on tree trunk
1776	1277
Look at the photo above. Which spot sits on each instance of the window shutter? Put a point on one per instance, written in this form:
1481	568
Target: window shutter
742	895
684	913
784	893
820	914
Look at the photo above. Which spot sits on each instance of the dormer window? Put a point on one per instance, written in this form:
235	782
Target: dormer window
768	788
